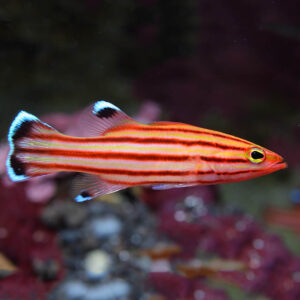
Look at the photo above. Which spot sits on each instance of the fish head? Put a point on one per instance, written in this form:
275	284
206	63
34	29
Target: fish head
262	161
242	162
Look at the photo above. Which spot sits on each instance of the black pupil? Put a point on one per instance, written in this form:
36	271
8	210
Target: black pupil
257	155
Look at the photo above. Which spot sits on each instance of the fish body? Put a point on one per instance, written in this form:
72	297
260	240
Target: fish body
126	153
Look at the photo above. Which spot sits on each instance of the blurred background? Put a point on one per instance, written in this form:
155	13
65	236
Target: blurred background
231	66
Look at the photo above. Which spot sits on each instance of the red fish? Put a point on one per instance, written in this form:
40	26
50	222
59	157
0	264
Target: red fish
126	153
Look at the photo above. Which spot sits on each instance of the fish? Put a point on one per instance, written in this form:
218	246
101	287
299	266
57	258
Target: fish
119	152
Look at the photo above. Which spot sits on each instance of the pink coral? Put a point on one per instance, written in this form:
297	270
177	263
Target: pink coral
24	239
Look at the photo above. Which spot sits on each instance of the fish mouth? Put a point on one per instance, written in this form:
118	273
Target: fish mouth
279	165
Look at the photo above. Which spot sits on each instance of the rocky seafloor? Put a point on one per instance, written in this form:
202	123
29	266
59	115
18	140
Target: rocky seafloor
140	244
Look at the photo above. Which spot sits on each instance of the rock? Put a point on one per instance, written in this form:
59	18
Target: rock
70	236
97	263
106	226
73	290
116	289
64	214
46	269
113	290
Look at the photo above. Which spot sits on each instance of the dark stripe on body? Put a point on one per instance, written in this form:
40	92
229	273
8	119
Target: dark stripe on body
128	156
168	141
176	129
61	166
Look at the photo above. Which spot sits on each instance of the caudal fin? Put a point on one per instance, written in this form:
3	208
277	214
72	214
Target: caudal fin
23	134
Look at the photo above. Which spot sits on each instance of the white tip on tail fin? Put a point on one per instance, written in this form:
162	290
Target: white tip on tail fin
21	129
19	126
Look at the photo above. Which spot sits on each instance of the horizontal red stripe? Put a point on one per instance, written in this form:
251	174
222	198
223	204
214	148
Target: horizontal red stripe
40	173
100	140
223	160
127	156
112	171
202	182
60	166
127	183
104	155
176	129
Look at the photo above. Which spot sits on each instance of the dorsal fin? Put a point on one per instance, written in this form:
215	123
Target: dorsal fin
100	117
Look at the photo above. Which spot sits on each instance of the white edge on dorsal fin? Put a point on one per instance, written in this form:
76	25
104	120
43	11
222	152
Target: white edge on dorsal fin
99	118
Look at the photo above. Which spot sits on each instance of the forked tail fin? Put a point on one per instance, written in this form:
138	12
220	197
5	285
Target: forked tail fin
24	134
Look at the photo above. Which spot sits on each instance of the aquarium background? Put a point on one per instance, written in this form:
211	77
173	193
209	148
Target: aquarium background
231	66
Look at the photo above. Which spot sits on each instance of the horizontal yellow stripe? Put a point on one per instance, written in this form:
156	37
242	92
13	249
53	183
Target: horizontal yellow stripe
138	148
192	127
162	178
184	136
105	147
53	145
47	131
146	166
199	151
137	166
137	133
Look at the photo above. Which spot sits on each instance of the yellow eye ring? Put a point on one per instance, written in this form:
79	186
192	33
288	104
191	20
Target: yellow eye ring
256	155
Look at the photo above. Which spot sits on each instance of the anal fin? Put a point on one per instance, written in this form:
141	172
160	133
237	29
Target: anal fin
87	187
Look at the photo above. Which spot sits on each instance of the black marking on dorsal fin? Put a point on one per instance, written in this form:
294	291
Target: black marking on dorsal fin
107	112
103	109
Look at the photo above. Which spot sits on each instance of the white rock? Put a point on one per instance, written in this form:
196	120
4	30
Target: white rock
97	263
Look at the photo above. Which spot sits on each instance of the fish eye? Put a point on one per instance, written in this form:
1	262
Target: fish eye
256	155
